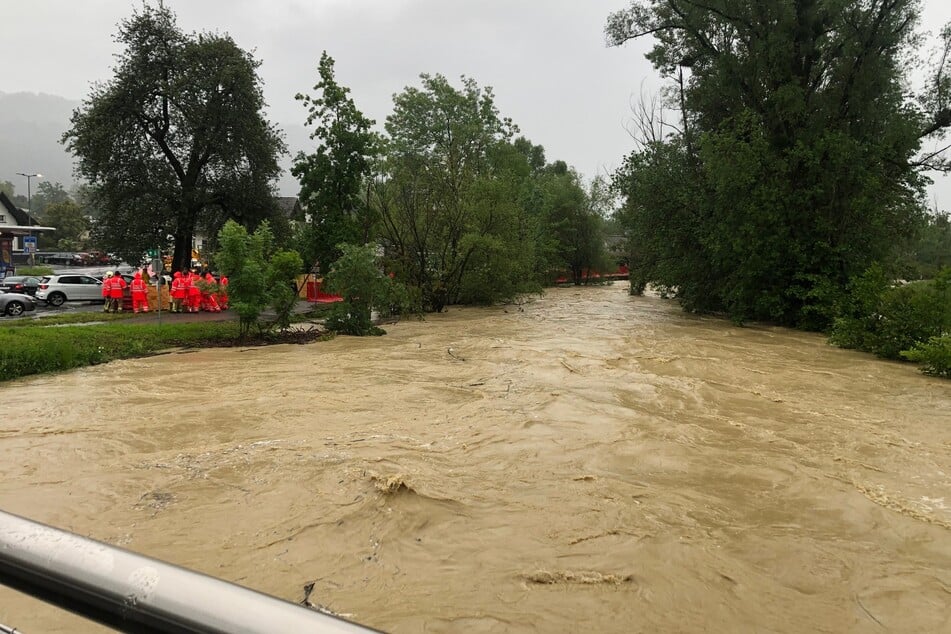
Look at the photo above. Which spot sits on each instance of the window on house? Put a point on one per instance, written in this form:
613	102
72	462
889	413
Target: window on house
3	218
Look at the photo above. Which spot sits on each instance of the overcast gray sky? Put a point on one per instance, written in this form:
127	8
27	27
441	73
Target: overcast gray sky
545	59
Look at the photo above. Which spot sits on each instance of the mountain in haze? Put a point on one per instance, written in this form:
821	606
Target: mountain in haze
31	126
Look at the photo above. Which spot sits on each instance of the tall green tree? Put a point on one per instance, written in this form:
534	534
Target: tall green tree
572	222
332	176
47	194
502	235
928	251
72	227
176	133
449	210
796	161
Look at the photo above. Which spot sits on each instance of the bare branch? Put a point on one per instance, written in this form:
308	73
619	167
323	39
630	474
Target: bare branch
942	119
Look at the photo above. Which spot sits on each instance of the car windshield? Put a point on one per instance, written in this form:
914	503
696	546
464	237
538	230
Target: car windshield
13	280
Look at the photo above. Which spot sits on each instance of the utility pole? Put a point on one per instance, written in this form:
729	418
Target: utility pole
29	207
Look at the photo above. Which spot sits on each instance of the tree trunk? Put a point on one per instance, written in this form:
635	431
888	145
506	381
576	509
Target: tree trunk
182	258
185	232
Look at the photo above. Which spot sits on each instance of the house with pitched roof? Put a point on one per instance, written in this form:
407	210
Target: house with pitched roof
15	224
291	208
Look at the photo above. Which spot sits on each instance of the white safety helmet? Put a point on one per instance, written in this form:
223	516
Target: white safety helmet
108	274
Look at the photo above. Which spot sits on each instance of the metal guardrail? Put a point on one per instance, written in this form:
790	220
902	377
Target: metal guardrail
134	593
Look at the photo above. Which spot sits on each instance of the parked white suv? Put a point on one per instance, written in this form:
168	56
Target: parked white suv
56	289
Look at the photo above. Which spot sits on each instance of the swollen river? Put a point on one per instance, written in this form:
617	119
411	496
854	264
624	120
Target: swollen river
588	461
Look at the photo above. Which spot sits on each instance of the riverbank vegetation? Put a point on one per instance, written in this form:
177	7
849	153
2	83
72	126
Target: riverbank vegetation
780	177
260	275
778	173
898	321
364	290
463	209
35	349
28	348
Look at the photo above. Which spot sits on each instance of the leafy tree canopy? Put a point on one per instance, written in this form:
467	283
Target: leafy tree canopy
176	134
449	210
332	176
571	223
795	164
72	227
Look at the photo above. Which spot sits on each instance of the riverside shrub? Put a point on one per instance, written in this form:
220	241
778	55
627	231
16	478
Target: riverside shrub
887	319
259	275
358	278
934	355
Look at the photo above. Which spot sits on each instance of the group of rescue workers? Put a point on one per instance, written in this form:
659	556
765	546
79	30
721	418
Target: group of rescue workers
189	293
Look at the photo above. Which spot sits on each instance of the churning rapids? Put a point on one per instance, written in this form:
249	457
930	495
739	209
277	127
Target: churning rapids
588	461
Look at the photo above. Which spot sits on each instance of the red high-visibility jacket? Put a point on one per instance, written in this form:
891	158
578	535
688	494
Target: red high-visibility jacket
178	286
116	286
138	286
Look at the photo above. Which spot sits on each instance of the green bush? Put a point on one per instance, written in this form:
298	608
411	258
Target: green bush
857	313
935	355
282	271
883	319
911	314
364	287
258	276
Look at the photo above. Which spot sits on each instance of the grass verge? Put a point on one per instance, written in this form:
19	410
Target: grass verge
25	351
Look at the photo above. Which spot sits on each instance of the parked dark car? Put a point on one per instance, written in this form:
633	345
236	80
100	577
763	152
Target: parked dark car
20	284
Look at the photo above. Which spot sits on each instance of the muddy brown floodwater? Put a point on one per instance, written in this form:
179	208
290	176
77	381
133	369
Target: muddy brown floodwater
588	461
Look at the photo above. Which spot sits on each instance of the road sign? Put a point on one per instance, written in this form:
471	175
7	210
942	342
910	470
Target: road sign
153	253
29	244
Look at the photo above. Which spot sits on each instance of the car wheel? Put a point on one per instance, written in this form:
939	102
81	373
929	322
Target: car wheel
56	299
15	309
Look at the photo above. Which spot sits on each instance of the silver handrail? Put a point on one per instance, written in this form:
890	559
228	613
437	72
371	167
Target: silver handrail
134	593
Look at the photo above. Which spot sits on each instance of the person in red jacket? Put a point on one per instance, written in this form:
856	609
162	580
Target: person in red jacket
194	293
106	281
178	292
208	293
140	299
223	292
117	284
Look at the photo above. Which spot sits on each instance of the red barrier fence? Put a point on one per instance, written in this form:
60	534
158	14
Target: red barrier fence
620	274
318	296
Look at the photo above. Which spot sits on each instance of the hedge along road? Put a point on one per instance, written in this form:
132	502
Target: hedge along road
587	461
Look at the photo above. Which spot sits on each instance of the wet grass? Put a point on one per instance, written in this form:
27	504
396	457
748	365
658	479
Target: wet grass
65	318
32	346
35	349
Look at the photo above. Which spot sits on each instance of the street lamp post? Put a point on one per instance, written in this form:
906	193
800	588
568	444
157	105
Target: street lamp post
29	207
